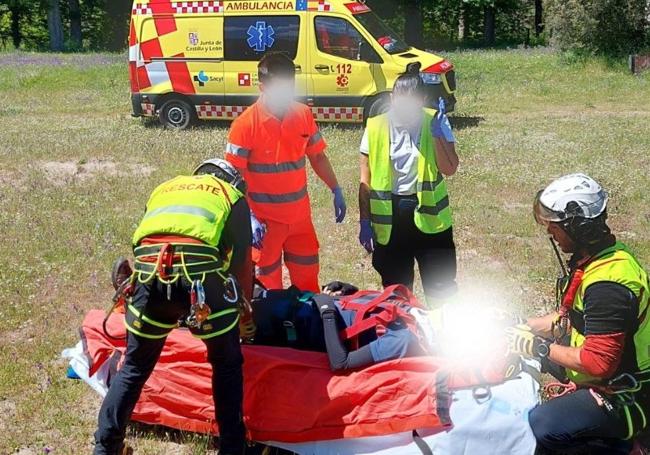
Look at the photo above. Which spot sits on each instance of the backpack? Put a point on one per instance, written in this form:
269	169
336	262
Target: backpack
288	318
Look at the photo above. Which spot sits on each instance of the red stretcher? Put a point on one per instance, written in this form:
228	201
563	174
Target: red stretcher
291	396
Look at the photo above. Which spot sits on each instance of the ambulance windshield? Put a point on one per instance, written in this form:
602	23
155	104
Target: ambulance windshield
387	38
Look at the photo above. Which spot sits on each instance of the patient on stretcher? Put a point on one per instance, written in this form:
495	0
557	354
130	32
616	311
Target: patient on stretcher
355	329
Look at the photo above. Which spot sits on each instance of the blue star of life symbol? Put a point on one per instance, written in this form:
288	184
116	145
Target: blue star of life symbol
260	36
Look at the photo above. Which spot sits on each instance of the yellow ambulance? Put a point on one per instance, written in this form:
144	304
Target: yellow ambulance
194	60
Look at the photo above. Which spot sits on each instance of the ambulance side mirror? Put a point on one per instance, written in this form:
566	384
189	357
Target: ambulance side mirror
367	53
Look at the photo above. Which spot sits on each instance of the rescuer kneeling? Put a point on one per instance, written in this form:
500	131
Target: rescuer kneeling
193	241
599	337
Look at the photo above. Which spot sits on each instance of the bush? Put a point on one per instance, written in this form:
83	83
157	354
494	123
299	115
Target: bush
609	27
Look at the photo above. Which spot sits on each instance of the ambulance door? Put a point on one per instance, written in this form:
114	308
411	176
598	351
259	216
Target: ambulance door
247	38
341	64
202	38
183	54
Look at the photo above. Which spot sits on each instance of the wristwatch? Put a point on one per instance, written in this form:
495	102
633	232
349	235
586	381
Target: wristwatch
543	349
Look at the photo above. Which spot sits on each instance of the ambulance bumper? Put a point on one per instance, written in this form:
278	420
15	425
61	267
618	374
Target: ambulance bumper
435	91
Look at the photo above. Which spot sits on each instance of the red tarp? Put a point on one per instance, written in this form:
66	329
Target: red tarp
290	395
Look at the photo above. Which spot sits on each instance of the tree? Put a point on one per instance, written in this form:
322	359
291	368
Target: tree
610	27
55	25
16	36
74	11
463	22
539	24
116	24
413	23
489	23
16	8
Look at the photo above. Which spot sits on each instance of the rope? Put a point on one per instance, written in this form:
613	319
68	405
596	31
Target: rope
559	389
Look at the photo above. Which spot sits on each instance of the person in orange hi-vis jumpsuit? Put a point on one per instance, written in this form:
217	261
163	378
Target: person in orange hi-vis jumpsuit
270	144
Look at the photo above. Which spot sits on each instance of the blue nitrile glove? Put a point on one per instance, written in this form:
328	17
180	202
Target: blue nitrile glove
366	236
259	231
339	204
440	127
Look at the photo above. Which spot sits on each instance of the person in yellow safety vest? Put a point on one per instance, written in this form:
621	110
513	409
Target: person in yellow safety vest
600	335
195	233
403	202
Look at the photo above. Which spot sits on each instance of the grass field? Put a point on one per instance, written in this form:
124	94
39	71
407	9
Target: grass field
75	172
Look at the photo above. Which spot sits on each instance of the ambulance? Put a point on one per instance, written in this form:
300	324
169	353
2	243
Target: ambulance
198	59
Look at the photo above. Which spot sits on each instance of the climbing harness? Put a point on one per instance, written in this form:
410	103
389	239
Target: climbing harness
199	310
375	311
168	263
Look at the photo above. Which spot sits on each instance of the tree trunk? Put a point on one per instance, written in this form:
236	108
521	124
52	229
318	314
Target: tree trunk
539	19
489	25
55	26
413	27
16	35
116	26
75	24
462	22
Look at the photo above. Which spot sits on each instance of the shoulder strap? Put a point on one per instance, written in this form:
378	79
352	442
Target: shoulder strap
390	310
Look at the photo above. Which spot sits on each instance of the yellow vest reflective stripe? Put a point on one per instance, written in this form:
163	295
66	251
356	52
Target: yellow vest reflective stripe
191	206
433	214
617	265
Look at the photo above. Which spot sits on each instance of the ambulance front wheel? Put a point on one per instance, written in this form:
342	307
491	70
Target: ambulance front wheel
177	114
379	105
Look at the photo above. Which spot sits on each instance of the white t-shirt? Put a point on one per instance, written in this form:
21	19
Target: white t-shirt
404	156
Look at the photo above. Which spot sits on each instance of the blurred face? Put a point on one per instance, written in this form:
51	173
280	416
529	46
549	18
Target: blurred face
278	95
407	108
561	238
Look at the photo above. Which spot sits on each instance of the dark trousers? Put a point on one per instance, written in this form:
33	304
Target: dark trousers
578	422
435	254
224	354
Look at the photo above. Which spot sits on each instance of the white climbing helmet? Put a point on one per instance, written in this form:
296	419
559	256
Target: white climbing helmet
223	170
574	195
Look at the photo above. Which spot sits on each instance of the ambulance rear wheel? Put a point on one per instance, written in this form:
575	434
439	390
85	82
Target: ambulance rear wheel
177	114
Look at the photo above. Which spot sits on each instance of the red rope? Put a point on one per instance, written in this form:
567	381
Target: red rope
559	389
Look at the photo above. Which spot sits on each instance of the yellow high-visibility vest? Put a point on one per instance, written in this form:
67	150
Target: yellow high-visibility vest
191	206
433	214
617	265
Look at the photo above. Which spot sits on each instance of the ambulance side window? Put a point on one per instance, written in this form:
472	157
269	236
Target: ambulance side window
336	36
248	38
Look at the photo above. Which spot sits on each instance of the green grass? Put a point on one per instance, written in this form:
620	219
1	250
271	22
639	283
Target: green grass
523	118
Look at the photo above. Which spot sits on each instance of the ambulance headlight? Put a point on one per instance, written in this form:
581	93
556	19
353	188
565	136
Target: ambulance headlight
430	78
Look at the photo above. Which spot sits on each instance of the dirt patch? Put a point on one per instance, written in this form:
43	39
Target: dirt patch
66	172
7	414
26	451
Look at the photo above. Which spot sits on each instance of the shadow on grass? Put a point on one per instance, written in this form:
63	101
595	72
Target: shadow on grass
154	123
461	122
162	433
166	434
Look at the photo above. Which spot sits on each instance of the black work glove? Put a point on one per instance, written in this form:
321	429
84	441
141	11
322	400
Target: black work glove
338	288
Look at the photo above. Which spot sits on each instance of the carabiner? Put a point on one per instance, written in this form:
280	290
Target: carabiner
633	386
230	293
